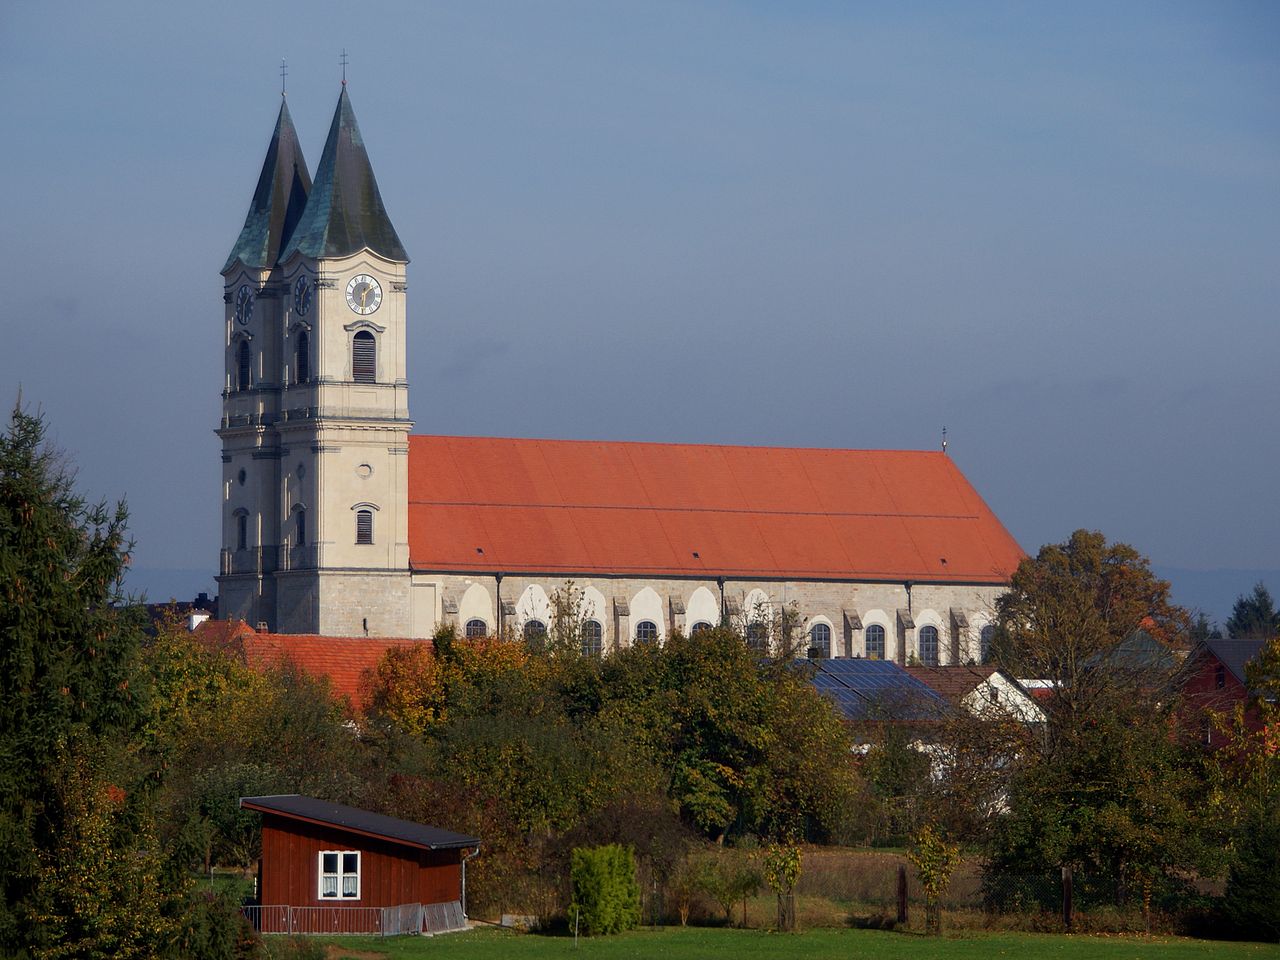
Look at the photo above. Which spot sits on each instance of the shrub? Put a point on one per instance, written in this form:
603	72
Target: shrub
213	929
606	896
1253	893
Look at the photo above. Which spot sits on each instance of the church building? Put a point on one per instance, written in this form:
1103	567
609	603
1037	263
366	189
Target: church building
338	520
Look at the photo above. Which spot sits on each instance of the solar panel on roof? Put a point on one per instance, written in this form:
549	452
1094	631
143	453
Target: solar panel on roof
862	688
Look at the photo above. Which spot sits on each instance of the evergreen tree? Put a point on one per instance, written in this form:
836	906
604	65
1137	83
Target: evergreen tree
1254	616
70	708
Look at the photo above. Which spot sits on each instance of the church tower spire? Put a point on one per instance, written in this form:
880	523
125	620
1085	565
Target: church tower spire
278	201
344	213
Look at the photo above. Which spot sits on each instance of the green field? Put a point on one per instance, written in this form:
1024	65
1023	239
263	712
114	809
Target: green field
675	943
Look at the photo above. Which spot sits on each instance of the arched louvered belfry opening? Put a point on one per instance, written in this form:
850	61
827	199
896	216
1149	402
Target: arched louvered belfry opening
364	526
244	366
302	358
364	357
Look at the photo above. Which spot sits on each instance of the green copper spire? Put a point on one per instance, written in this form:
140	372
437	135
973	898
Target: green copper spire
277	203
344	212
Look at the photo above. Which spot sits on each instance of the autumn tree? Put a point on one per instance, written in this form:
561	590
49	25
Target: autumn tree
1248	769
1112	784
1066	613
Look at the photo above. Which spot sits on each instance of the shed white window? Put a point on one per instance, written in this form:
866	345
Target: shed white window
339	875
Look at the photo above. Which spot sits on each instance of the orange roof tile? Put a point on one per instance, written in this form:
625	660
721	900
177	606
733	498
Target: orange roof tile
344	660
492	504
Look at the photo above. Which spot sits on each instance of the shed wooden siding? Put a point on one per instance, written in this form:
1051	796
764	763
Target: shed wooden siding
390	873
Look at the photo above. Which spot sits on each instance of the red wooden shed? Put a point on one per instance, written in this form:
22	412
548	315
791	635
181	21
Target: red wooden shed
330	868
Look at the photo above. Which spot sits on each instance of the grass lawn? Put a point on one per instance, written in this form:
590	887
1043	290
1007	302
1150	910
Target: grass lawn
674	943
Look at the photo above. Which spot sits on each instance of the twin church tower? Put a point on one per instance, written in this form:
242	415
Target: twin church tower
315	401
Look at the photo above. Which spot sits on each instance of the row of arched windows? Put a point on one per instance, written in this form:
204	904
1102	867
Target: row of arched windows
592	632
364	360
757	636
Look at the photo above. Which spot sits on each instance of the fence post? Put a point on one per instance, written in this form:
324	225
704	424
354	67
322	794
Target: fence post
1066	897
902	893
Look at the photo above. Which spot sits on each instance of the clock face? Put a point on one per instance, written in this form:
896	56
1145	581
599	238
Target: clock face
364	295
244	305
302	296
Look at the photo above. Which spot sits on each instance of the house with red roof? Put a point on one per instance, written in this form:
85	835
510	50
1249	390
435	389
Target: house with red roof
347	662
339	521
981	690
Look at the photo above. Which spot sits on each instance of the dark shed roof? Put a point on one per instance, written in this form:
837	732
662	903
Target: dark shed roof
311	810
344	212
278	201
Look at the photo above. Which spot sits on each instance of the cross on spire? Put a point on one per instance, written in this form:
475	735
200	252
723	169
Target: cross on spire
343	60
284	72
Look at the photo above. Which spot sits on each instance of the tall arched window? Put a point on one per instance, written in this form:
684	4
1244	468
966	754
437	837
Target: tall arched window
646	632
819	642
592	638
929	646
758	636
984	642
244	366
476	628
875	642
364	357
242	531
364	526
302	358
300	528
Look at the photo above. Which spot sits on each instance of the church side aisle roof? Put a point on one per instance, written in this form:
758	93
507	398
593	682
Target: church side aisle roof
490	504
344	212
277	202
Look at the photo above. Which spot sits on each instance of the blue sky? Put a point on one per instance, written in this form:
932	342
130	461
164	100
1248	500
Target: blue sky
1054	229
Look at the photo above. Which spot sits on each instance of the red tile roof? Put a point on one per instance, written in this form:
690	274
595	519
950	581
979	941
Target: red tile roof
490	504
954	681
344	660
